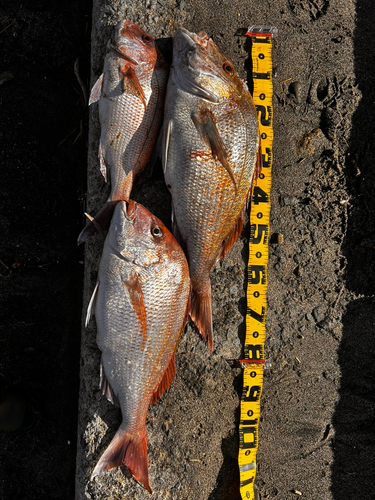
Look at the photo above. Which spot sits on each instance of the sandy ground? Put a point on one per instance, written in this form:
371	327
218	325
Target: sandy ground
316	433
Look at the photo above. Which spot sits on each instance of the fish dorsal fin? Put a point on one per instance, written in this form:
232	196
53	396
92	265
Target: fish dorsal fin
134	287
205	125
91	306
130	83
106	388
166	380
96	91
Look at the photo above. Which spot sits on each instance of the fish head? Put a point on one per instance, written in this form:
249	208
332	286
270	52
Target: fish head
199	67
137	236
134	44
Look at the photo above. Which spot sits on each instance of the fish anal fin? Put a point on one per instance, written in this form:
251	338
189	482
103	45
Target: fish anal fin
166	380
200	311
232	237
106	388
96	91
129	448
91	306
203	120
130	83
134	286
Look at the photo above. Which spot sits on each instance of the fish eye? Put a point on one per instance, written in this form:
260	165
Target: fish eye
157	232
148	39
228	69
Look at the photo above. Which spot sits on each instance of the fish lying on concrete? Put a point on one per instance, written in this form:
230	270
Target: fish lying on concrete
131	94
210	151
141	305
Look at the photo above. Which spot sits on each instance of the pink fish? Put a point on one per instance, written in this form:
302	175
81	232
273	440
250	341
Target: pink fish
130	93
210	151
141	305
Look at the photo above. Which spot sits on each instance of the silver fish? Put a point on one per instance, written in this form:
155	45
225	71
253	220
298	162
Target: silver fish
130	93
210	151
141	306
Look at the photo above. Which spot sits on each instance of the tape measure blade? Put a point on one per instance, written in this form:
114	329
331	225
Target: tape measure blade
257	270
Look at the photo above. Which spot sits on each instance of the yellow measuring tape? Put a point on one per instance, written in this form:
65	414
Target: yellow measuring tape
261	53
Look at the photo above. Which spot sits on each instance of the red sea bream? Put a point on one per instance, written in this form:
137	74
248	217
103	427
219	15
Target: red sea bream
140	303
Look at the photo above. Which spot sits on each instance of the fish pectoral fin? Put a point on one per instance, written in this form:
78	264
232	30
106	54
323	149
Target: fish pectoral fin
130	83
106	388
205	125
134	287
166	380
91	306
96	91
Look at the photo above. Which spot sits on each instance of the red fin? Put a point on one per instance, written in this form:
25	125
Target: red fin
101	220
129	449
134	287
257	172
166	380
205	125
200	312
258	164
231	238
130	83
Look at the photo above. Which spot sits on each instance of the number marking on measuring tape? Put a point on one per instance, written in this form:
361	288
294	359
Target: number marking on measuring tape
261	53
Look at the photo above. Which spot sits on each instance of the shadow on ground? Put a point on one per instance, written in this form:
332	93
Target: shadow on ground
354	450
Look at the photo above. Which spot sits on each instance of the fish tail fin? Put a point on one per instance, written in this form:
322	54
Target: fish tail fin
99	223
129	449
200	311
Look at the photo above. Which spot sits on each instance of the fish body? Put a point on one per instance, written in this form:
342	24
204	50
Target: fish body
130	93
140	304
210	150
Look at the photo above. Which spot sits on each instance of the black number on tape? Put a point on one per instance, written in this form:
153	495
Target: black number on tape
258	234
257	316
265	114
259	196
266	158
256	274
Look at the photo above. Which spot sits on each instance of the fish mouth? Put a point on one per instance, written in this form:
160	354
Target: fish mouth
190	62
